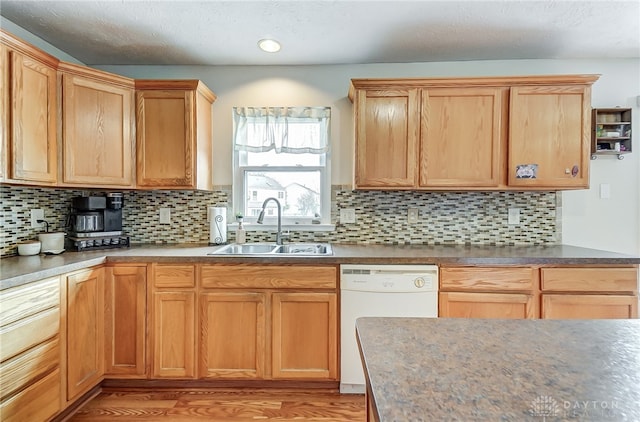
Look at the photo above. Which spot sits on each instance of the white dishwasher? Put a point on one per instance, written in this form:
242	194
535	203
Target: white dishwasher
380	291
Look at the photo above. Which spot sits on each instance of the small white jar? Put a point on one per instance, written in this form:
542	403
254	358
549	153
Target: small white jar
29	247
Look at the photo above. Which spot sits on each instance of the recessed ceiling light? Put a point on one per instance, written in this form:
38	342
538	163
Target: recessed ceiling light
270	46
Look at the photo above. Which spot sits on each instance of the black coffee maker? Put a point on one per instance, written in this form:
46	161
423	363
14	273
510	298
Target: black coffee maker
95	222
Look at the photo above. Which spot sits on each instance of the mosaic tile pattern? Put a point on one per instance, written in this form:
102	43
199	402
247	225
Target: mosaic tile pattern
15	213
381	217
189	223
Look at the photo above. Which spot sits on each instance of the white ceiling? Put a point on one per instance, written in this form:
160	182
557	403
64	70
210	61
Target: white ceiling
330	32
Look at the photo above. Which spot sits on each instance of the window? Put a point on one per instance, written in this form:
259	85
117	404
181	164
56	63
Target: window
282	153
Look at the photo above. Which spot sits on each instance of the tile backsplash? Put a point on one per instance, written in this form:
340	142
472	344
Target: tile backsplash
381	217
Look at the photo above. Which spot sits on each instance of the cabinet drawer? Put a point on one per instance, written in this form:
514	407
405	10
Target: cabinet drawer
590	279
20	302
26	367
28	332
487	278
268	276
39	402
174	276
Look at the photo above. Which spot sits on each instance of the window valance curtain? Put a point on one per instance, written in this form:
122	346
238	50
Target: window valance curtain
294	130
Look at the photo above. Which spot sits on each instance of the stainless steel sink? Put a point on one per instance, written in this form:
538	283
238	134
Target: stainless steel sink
315	249
305	249
246	249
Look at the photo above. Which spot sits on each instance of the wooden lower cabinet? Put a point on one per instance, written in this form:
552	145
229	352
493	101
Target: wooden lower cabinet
488	292
85	331
304	330
572	306
38	402
269	322
589	292
174	321
30	351
487	305
125	321
233	334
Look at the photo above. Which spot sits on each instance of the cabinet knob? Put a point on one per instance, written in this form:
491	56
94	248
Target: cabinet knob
573	171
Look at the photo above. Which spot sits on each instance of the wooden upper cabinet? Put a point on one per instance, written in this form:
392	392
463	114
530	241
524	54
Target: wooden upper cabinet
549	136
387	131
97	113
462	137
28	89
174	134
472	133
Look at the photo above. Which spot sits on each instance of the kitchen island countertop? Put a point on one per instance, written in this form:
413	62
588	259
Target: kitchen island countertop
421	369
19	270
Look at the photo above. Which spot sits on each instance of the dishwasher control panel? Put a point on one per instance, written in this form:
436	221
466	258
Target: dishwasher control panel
389	278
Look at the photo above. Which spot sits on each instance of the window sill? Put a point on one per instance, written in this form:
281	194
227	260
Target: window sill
285	227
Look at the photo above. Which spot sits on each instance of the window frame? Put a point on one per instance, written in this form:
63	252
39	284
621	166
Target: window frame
240	191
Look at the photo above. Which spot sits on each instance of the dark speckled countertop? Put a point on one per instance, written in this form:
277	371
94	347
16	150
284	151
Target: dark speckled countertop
422	369
20	270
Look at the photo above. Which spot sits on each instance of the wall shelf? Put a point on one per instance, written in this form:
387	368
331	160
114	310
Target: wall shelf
611	132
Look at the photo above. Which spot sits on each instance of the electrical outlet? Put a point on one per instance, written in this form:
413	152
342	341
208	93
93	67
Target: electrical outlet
165	215
514	216
37	214
413	215
348	215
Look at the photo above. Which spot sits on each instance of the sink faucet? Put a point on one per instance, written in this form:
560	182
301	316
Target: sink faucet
261	218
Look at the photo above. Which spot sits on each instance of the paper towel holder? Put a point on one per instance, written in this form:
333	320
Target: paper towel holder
217	226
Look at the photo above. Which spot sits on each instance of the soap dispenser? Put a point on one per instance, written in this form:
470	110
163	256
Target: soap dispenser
241	233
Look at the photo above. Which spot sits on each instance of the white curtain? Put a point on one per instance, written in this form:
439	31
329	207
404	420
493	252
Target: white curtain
294	130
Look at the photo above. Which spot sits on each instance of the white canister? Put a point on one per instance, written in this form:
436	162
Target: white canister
217	225
53	242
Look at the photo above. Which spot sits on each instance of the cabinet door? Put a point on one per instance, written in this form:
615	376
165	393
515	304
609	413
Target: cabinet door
174	318
85	331
165	134
32	145
97	132
462	135
387	130
4	110
304	335
233	332
486	305
549	128
589	306
125	321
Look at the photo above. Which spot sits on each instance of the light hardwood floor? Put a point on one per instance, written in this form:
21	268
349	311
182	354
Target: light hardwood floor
225	405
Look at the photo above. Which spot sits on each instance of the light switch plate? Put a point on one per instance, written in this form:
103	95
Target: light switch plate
348	215
605	191
165	215
413	215
514	216
37	214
